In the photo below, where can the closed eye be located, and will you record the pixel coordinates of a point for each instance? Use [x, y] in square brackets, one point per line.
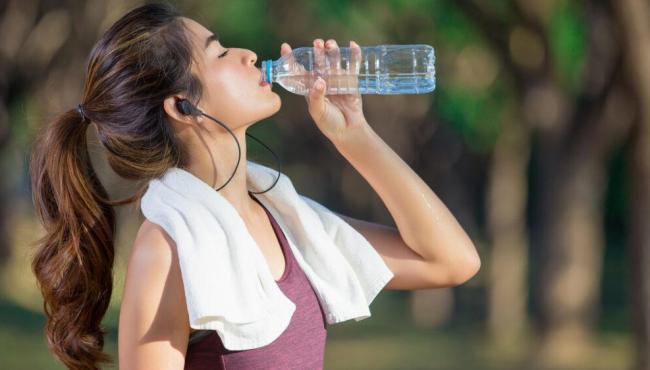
[224, 53]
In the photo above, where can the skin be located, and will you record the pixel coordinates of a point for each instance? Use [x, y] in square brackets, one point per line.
[233, 96]
[428, 248]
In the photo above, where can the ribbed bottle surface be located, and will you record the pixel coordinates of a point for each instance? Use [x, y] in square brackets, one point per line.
[381, 69]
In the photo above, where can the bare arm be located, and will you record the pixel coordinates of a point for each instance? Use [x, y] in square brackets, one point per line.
[430, 248]
[410, 270]
[154, 325]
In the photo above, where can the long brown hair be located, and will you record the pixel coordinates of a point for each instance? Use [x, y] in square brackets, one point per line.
[144, 57]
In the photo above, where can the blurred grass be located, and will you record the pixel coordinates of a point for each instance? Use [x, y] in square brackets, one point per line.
[387, 340]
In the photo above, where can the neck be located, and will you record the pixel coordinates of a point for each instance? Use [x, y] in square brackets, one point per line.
[213, 159]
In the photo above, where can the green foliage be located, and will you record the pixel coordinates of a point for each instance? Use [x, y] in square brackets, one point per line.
[331, 10]
[242, 23]
[451, 26]
[567, 37]
[475, 115]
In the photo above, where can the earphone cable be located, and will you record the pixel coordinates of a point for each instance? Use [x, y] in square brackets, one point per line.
[239, 154]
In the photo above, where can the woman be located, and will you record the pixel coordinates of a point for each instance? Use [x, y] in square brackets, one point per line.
[138, 72]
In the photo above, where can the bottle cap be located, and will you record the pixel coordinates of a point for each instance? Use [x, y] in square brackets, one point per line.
[266, 70]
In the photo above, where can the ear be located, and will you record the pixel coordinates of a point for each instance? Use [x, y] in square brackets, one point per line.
[169, 104]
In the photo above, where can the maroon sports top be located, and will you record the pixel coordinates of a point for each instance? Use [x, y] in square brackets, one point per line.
[300, 346]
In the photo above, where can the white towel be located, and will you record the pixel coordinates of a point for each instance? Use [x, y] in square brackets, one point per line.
[228, 284]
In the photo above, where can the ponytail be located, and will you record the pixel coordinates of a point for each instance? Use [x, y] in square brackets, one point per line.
[73, 262]
[142, 58]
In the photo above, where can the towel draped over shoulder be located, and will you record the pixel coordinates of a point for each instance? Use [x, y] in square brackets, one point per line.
[227, 282]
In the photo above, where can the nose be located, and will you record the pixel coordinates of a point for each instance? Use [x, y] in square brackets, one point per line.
[252, 57]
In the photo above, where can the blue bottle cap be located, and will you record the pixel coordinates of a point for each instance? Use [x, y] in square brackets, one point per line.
[266, 66]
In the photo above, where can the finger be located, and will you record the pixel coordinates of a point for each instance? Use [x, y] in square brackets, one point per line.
[285, 48]
[355, 64]
[333, 55]
[355, 57]
[316, 98]
[319, 56]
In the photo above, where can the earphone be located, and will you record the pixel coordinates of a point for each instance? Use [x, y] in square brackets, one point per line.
[187, 108]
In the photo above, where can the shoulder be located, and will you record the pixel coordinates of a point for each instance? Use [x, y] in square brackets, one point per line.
[152, 244]
[152, 257]
[153, 304]
[153, 267]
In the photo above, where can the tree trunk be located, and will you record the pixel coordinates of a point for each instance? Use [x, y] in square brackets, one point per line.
[633, 18]
[506, 222]
[571, 263]
[572, 146]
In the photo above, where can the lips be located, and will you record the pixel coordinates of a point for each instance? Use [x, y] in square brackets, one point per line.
[262, 81]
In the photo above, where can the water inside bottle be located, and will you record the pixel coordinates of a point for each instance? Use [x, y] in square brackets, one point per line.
[384, 69]
[389, 83]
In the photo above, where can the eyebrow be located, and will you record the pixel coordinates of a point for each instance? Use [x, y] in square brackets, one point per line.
[212, 37]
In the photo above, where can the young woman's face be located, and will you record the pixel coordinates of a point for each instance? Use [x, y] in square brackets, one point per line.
[231, 81]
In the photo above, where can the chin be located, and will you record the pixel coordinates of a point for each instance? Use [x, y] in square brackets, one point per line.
[279, 104]
[268, 113]
[269, 107]
[275, 106]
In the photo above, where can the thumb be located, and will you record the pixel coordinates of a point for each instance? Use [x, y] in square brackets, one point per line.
[317, 98]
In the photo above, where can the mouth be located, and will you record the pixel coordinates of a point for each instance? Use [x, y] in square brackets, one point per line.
[262, 81]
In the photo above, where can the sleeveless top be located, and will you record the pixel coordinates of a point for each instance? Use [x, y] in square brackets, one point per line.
[300, 346]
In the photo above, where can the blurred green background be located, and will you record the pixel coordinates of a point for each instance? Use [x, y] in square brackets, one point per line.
[536, 138]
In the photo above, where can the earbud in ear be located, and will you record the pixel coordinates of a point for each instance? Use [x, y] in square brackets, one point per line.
[185, 107]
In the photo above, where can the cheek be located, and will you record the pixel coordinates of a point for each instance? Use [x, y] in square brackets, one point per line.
[229, 89]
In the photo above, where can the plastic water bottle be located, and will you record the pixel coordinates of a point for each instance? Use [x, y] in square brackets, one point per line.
[381, 69]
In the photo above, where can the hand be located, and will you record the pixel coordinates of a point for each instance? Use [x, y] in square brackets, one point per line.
[337, 116]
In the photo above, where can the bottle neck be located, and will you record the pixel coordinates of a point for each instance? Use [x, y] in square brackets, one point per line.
[267, 69]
